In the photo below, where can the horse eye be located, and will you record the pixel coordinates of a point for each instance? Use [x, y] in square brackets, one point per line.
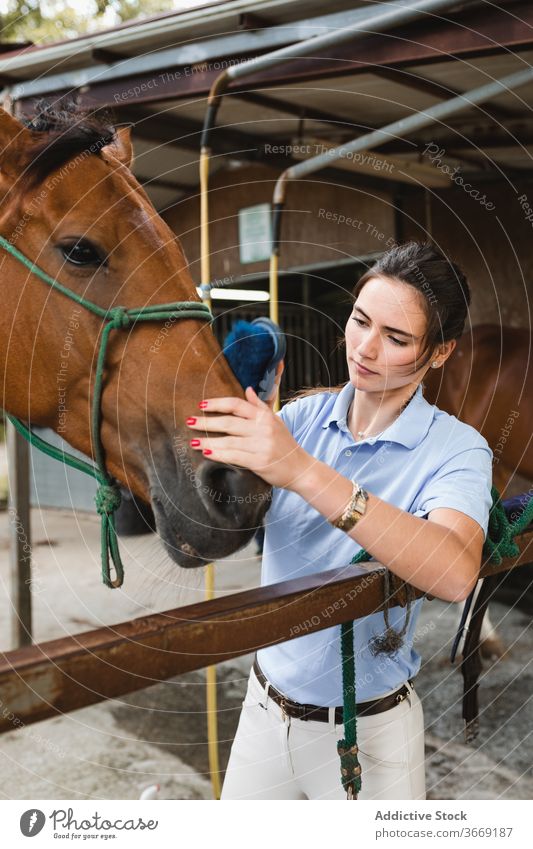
[82, 253]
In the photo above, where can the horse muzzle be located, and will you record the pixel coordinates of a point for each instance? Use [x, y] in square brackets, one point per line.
[208, 513]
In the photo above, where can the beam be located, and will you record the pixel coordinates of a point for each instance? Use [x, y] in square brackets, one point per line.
[252, 21]
[59, 676]
[102, 54]
[306, 113]
[184, 133]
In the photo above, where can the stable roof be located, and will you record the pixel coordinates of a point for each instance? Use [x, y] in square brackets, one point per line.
[156, 74]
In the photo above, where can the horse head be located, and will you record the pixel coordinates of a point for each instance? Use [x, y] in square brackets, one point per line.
[72, 206]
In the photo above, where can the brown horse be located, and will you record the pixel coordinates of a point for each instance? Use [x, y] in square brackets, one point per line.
[71, 204]
[488, 383]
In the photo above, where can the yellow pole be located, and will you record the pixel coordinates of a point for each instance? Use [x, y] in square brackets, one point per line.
[211, 671]
[274, 301]
[204, 218]
[274, 288]
[211, 699]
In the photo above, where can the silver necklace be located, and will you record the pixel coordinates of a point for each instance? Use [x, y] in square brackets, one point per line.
[362, 433]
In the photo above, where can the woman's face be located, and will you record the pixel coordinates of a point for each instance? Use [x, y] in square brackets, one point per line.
[385, 335]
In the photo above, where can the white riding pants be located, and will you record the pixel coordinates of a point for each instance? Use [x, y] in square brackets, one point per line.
[277, 757]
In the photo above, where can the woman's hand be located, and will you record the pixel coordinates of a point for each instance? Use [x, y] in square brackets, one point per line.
[255, 438]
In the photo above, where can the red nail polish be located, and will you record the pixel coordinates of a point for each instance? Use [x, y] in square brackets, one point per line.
[207, 451]
[194, 443]
[202, 405]
[190, 421]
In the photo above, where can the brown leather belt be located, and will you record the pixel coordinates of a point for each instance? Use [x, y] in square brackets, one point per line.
[321, 714]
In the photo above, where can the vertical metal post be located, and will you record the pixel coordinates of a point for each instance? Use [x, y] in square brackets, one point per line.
[18, 457]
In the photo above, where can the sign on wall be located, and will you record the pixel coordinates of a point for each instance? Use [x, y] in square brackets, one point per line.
[255, 233]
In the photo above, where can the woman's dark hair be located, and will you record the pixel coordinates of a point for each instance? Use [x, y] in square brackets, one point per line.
[441, 283]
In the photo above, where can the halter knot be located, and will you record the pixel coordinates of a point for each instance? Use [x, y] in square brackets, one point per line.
[118, 317]
[107, 499]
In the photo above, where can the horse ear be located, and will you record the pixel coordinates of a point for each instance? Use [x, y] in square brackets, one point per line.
[12, 134]
[121, 147]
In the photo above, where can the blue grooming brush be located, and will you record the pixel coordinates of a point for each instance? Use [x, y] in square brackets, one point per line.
[253, 350]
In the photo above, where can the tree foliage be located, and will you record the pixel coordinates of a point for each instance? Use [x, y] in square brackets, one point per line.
[45, 21]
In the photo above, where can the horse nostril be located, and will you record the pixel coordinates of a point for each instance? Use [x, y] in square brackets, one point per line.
[229, 493]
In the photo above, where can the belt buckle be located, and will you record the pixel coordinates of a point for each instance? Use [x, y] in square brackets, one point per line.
[282, 705]
[400, 698]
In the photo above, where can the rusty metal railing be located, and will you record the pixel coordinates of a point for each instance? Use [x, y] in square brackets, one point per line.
[59, 676]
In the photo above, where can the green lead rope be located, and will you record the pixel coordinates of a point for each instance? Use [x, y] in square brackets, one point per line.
[107, 500]
[347, 747]
[498, 544]
[108, 496]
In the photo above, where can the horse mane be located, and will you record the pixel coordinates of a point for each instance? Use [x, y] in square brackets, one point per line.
[61, 131]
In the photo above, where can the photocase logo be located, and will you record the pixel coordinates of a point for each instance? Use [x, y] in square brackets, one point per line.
[32, 822]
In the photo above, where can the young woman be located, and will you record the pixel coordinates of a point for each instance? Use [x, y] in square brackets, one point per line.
[371, 466]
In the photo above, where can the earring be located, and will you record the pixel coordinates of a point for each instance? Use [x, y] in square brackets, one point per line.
[435, 364]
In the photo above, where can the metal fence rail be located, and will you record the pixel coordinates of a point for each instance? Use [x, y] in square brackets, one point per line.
[59, 676]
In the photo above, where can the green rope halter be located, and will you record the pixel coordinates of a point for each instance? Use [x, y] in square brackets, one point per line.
[498, 544]
[116, 318]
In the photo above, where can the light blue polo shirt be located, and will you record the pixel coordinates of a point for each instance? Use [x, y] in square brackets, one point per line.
[424, 460]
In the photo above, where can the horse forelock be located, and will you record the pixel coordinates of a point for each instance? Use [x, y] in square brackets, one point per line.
[61, 132]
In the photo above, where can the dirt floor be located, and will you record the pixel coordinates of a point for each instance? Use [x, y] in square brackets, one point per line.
[114, 750]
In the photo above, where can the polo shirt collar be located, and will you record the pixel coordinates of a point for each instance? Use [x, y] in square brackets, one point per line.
[409, 429]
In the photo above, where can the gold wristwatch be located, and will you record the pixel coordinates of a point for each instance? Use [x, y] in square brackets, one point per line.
[354, 509]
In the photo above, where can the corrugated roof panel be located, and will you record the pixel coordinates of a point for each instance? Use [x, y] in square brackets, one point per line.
[167, 172]
[165, 160]
[364, 98]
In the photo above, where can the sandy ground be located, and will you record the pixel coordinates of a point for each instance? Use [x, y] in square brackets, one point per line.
[114, 750]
